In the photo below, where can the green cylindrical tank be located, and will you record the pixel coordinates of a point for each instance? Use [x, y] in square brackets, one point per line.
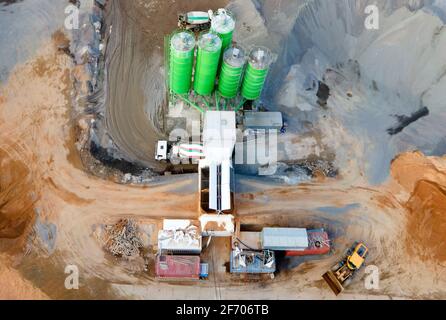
[231, 72]
[182, 47]
[258, 66]
[223, 24]
[208, 56]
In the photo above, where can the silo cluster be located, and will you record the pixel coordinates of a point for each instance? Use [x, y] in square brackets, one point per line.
[216, 58]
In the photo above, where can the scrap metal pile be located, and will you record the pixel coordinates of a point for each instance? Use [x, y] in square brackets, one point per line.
[253, 259]
[246, 258]
[121, 239]
[320, 165]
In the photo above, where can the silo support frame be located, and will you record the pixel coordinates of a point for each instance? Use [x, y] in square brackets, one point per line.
[240, 105]
[192, 104]
[217, 106]
[202, 103]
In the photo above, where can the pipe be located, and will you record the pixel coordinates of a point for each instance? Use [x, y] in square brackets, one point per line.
[206, 102]
[191, 103]
[240, 105]
[216, 101]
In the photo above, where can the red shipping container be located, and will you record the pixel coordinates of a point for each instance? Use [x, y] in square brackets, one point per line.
[178, 267]
[318, 244]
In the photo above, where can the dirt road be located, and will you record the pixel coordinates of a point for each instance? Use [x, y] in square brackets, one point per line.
[68, 203]
[50, 209]
[36, 150]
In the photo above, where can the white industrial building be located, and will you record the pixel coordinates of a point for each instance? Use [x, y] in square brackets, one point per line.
[263, 120]
[219, 138]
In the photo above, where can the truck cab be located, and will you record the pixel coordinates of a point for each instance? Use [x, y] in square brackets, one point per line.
[195, 21]
[356, 259]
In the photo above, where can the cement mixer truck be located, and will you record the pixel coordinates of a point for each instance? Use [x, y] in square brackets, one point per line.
[197, 21]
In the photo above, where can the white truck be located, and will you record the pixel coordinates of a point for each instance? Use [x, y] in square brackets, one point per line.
[166, 151]
[197, 21]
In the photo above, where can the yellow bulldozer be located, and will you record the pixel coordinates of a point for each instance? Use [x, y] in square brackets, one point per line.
[341, 274]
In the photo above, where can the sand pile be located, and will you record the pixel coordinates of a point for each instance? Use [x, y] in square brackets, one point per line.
[14, 287]
[425, 179]
[427, 220]
[411, 167]
[135, 89]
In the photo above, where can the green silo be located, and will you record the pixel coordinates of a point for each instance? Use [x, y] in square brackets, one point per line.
[223, 24]
[258, 66]
[208, 56]
[182, 47]
[231, 73]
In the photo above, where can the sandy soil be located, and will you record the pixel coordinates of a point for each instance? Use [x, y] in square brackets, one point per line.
[14, 287]
[425, 181]
[68, 204]
[50, 210]
[45, 186]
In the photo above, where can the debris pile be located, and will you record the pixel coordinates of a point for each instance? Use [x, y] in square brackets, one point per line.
[320, 165]
[252, 262]
[245, 258]
[122, 239]
[404, 121]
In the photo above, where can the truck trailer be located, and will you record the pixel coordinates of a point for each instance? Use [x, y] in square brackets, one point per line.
[179, 268]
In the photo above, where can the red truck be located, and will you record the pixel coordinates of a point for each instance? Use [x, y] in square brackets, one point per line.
[171, 267]
[318, 243]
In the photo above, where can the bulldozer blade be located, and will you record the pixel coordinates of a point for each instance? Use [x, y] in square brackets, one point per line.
[333, 282]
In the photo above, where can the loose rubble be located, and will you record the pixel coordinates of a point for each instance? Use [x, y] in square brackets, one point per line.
[122, 240]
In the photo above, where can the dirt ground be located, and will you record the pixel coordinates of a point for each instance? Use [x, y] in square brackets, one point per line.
[43, 188]
[50, 207]
[135, 56]
[51, 210]
[425, 180]
[13, 286]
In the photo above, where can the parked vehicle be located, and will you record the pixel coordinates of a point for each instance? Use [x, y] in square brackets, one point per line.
[195, 21]
[341, 274]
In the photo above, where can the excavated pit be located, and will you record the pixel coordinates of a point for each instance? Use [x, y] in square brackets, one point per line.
[135, 94]
[378, 79]
[371, 76]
